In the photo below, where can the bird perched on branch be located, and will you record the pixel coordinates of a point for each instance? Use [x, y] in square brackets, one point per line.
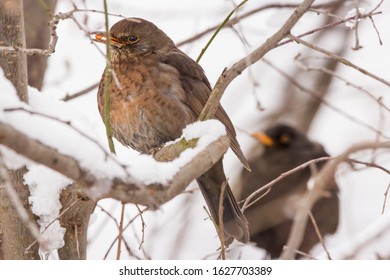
[270, 218]
[156, 90]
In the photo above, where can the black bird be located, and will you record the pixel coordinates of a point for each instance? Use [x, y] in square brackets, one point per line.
[270, 218]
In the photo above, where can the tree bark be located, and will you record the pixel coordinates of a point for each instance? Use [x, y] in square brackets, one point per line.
[36, 18]
[77, 210]
[15, 236]
[12, 34]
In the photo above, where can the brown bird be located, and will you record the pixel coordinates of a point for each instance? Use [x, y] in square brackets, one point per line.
[270, 218]
[156, 91]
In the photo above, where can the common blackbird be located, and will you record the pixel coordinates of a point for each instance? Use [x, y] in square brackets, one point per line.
[270, 218]
[156, 90]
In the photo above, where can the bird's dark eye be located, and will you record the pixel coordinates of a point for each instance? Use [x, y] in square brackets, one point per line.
[132, 39]
[285, 139]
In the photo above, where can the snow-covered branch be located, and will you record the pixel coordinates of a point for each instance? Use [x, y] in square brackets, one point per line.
[126, 189]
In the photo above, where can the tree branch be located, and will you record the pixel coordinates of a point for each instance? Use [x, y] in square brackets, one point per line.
[339, 59]
[127, 189]
[39, 152]
[321, 181]
[229, 75]
[237, 19]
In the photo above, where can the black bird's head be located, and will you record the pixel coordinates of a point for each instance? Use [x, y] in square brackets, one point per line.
[282, 136]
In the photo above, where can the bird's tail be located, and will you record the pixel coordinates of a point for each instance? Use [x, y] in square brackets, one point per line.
[234, 223]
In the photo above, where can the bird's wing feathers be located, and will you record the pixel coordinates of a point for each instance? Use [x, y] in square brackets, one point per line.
[195, 82]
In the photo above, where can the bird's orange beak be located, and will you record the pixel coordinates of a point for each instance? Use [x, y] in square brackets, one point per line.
[263, 138]
[101, 37]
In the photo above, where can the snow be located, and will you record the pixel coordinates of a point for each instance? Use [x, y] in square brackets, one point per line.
[148, 171]
[45, 188]
[211, 127]
[45, 115]
[12, 159]
[351, 13]
[363, 243]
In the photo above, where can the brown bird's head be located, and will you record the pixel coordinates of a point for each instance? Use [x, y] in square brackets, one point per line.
[135, 36]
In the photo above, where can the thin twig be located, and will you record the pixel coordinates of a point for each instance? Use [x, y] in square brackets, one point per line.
[376, 30]
[120, 236]
[183, 228]
[319, 235]
[298, 252]
[143, 226]
[218, 254]
[338, 58]
[266, 191]
[221, 229]
[356, 27]
[229, 75]
[56, 219]
[377, 6]
[108, 214]
[327, 26]
[80, 93]
[326, 13]
[237, 19]
[219, 233]
[321, 181]
[224, 22]
[385, 198]
[282, 176]
[129, 251]
[374, 165]
[348, 83]
[124, 229]
[371, 164]
[324, 101]
[98, 12]
[33, 51]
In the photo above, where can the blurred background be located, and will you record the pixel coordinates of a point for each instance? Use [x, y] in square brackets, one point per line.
[349, 107]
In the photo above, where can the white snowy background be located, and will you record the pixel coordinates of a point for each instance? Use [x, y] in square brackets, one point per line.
[179, 229]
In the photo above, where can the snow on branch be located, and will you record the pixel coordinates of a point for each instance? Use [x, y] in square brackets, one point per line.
[49, 132]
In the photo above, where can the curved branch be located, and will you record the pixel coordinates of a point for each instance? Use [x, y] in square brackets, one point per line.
[126, 189]
[230, 74]
[321, 181]
[39, 152]
[338, 58]
[242, 16]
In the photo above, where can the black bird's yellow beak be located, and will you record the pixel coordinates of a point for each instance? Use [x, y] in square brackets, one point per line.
[263, 138]
[101, 37]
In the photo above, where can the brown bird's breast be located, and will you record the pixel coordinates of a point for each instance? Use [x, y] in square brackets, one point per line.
[147, 103]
